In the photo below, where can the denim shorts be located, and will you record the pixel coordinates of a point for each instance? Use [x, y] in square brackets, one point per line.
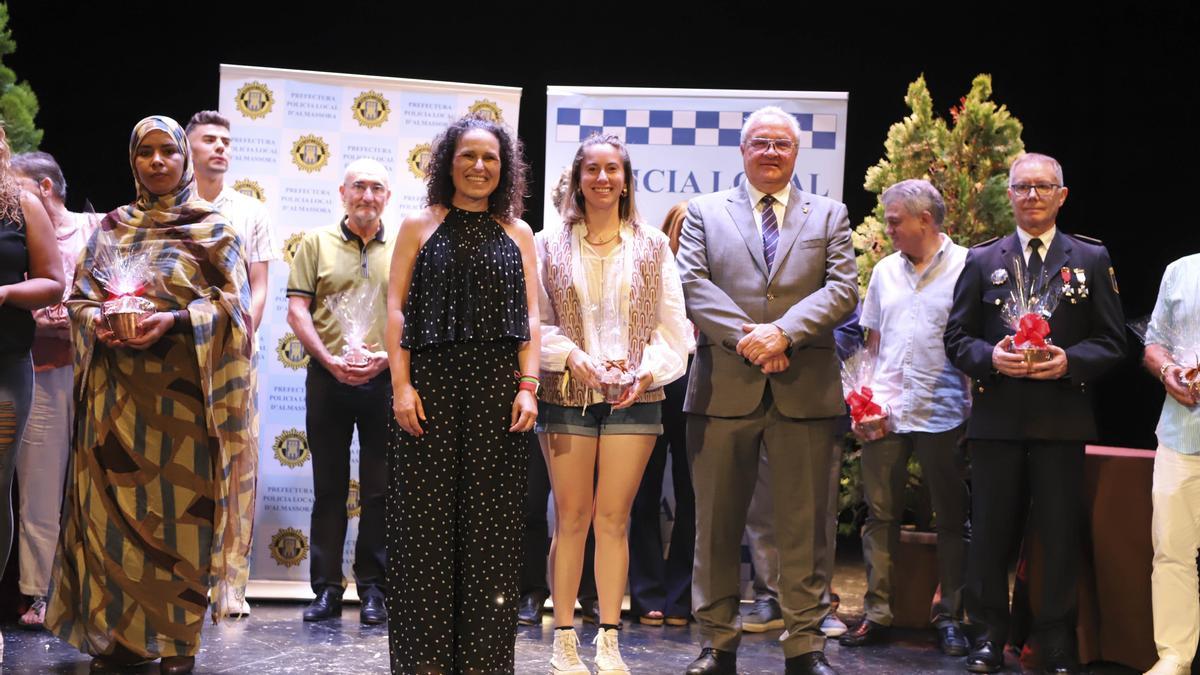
[599, 419]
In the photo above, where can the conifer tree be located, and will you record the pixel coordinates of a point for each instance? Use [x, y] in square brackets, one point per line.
[966, 160]
[18, 103]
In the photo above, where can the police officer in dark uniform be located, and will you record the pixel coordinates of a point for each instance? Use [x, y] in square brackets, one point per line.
[1029, 422]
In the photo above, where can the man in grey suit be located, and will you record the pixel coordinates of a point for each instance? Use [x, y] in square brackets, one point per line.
[768, 271]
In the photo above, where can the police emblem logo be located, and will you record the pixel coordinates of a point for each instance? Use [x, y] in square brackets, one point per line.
[310, 153]
[353, 505]
[291, 448]
[250, 188]
[291, 353]
[370, 109]
[254, 100]
[487, 109]
[418, 160]
[289, 547]
[291, 245]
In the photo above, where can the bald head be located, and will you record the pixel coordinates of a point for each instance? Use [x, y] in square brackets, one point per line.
[365, 193]
[365, 166]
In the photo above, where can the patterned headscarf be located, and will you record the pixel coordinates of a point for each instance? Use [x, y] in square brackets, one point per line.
[181, 205]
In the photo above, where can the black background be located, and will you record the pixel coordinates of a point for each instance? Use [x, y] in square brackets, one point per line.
[1104, 89]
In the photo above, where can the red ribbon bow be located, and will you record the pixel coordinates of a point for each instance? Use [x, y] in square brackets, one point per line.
[141, 289]
[1032, 330]
[861, 405]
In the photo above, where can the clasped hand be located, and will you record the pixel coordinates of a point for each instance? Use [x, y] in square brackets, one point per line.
[764, 346]
[151, 327]
[1011, 363]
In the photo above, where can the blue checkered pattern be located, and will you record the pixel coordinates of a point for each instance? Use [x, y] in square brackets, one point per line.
[682, 127]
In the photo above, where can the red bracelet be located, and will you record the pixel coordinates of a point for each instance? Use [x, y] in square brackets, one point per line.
[531, 387]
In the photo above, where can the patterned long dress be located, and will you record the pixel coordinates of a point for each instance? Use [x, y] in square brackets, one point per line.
[160, 499]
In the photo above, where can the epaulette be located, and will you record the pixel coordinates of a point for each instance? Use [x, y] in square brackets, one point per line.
[1090, 240]
[985, 243]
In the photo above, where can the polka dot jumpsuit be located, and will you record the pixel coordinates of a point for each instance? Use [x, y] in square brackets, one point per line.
[456, 494]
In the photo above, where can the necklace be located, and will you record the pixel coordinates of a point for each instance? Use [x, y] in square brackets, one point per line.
[588, 238]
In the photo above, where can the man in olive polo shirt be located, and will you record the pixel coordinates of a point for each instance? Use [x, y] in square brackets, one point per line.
[342, 395]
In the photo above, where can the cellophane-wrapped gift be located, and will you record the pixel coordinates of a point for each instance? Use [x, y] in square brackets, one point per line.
[1027, 311]
[1181, 338]
[871, 420]
[125, 273]
[615, 378]
[355, 311]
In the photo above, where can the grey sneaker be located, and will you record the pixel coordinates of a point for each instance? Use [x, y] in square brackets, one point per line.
[765, 615]
[832, 626]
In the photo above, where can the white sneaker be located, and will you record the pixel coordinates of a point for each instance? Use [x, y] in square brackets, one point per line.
[608, 653]
[565, 660]
[237, 607]
[832, 626]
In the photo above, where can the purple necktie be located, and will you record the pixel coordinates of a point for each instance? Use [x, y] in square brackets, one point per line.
[770, 230]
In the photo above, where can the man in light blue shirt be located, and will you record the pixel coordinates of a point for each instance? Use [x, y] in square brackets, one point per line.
[908, 301]
[1172, 348]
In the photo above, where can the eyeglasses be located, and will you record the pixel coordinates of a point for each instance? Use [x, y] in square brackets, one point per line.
[1043, 190]
[783, 146]
[362, 188]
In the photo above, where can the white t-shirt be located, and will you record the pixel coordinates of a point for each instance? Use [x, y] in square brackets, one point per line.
[250, 219]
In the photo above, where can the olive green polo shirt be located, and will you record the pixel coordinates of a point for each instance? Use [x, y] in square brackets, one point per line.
[333, 259]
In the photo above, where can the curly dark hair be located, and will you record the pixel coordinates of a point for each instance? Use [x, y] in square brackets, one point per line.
[507, 202]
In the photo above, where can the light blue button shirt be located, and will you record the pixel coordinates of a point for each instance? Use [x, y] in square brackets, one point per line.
[913, 377]
[1175, 324]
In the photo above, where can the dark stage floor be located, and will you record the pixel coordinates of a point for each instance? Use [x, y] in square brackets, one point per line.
[275, 640]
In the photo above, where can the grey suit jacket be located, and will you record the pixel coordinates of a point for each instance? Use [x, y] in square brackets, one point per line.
[812, 286]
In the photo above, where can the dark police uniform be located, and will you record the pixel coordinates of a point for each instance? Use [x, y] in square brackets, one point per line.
[1024, 431]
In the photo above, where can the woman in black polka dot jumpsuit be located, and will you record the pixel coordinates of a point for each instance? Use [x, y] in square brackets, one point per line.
[462, 327]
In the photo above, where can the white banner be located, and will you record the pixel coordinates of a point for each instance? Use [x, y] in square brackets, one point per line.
[684, 142]
[294, 132]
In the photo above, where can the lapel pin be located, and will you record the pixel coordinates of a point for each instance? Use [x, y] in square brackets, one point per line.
[999, 276]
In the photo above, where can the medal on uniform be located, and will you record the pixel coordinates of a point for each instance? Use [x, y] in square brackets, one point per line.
[1067, 291]
[999, 276]
[1081, 279]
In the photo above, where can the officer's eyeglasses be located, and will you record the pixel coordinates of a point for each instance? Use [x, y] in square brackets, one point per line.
[1043, 190]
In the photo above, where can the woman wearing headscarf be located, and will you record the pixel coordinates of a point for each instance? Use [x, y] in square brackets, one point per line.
[160, 499]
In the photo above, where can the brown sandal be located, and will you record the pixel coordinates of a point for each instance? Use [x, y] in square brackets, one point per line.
[651, 618]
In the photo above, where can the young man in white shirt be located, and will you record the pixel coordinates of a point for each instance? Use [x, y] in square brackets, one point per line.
[208, 135]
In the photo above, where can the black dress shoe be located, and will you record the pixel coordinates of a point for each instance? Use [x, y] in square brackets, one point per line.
[951, 640]
[713, 662]
[120, 660]
[812, 663]
[529, 610]
[373, 611]
[867, 632]
[328, 603]
[986, 657]
[176, 665]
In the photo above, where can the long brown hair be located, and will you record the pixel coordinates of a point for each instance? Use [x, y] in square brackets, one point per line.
[672, 225]
[10, 189]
